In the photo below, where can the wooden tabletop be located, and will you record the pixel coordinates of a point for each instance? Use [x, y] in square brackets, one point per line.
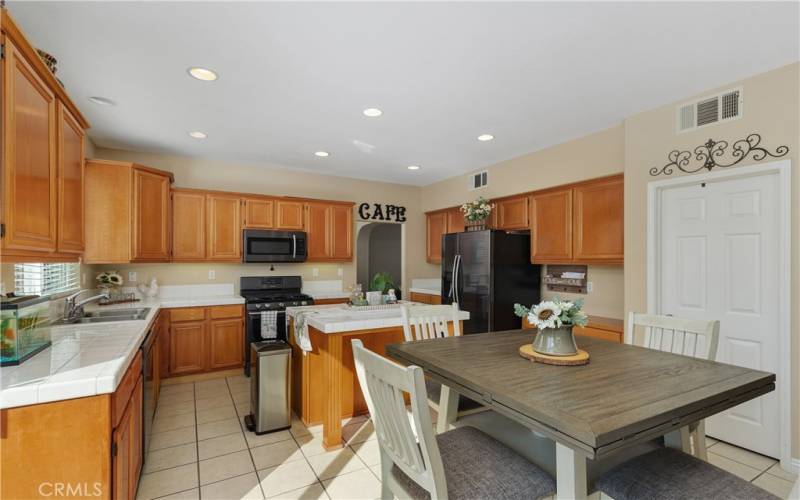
[625, 395]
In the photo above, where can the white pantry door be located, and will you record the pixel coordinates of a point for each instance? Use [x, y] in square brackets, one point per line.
[720, 255]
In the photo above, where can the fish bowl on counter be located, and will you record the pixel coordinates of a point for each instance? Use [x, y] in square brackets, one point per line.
[24, 328]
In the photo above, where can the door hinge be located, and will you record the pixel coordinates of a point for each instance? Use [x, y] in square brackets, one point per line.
[2, 230]
[114, 449]
[2, 51]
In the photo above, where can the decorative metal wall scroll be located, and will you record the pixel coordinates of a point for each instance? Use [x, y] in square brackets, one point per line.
[712, 154]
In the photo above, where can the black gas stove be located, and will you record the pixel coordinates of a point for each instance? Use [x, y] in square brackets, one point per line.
[266, 299]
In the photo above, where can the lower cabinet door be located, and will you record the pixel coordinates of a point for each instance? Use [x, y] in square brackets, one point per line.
[226, 343]
[137, 458]
[122, 465]
[187, 347]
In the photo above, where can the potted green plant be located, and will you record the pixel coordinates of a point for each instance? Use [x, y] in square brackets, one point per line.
[555, 320]
[383, 282]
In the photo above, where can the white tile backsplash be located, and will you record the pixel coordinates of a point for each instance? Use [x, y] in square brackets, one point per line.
[311, 286]
[191, 291]
[427, 283]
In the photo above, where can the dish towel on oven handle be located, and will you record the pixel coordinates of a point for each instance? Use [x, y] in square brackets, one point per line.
[301, 331]
[269, 325]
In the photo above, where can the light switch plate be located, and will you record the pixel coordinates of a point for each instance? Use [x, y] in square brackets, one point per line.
[589, 287]
[212, 274]
[315, 272]
[340, 272]
[132, 277]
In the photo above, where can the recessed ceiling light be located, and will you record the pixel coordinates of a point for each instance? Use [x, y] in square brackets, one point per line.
[413, 167]
[322, 154]
[101, 101]
[204, 74]
[485, 137]
[373, 112]
[198, 135]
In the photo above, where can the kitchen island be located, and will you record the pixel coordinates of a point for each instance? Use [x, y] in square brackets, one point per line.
[324, 383]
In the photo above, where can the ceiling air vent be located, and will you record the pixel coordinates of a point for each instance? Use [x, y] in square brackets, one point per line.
[709, 110]
[478, 180]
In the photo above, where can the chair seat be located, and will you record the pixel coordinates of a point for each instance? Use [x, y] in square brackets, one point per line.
[478, 466]
[434, 389]
[669, 474]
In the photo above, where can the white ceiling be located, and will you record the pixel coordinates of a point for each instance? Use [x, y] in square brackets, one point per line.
[294, 77]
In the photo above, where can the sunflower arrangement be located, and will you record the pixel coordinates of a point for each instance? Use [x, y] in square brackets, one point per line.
[109, 278]
[554, 313]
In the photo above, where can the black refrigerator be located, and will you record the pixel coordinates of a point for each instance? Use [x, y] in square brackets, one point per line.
[487, 272]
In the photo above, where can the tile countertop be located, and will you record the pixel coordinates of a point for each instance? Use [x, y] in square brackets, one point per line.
[90, 359]
[430, 286]
[337, 318]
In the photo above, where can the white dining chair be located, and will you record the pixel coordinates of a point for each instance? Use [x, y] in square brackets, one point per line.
[416, 463]
[426, 322]
[697, 338]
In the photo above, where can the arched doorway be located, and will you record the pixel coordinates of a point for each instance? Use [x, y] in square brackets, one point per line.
[379, 250]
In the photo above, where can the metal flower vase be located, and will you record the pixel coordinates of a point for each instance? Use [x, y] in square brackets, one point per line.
[555, 342]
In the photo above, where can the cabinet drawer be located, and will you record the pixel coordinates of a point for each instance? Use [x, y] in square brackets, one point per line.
[123, 393]
[187, 314]
[231, 311]
[599, 334]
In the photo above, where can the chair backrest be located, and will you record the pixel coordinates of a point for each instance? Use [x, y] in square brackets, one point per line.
[385, 383]
[429, 322]
[697, 338]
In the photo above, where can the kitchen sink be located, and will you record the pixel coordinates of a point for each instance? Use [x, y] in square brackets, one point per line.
[107, 316]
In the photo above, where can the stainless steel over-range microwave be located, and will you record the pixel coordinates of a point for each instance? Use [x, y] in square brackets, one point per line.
[274, 246]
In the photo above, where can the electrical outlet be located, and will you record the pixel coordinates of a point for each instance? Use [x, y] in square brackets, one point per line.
[340, 272]
[212, 274]
[132, 277]
[589, 287]
[315, 272]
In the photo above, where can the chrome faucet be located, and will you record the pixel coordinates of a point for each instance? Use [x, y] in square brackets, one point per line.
[73, 309]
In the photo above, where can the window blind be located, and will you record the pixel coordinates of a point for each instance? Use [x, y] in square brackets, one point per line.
[45, 279]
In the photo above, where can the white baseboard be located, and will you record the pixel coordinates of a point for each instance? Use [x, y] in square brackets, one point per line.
[794, 465]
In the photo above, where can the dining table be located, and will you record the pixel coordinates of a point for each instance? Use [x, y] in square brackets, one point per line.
[625, 396]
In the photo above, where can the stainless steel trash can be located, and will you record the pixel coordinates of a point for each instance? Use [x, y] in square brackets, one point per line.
[270, 387]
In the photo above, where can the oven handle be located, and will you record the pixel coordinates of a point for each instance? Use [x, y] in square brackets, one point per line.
[294, 246]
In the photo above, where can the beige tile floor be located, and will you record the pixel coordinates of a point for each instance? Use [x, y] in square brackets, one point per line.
[200, 449]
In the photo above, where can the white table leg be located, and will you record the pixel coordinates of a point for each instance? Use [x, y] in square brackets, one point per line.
[448, 410]
[679, 439]
[570, 474]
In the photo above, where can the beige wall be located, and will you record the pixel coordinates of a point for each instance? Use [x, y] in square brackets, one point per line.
[771, 108]
[595, 155]
[269, 179]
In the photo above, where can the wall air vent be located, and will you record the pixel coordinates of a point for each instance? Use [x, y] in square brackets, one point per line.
[709, 110]
[478, 180]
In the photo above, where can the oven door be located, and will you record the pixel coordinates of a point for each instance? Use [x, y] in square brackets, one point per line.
[274, 246]
[253, 333]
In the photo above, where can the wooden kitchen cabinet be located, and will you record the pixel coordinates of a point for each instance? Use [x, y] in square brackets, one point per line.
[30, 182]
[70, 182]
[226, 338]
[425, 298]
[205, 339]
[187, 348]
[329, 229]
[151, 216]
[455, 221]
[436, 227]
[551, 227]
[127, 447]
[128, 213]
[317, 231]
[188, 225]
[42, 157]
[510, 213]
[289, 215]
[598, 221]
[259, 213]
[224, 227]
